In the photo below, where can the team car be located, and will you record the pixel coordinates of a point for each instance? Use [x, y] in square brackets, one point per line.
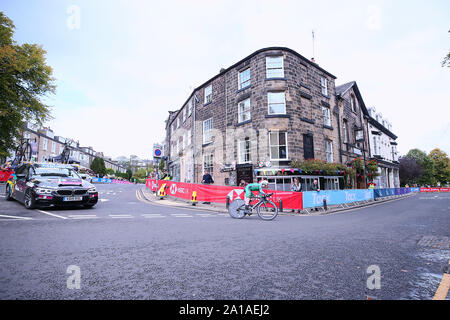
[50, 184]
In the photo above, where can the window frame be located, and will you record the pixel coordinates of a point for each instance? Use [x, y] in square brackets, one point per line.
[324, 86]
[211, 167]
[243, 151]
[208, 97]
[241, 113]
[327, 116]
[278, 146]
[247, 83]
[269, 103]
[271, 69]
[209, 129]
[329, 153]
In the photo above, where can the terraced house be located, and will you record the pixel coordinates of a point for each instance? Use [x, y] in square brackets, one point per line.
[253, 118]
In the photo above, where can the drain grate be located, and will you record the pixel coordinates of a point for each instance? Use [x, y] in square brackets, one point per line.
[435, 242]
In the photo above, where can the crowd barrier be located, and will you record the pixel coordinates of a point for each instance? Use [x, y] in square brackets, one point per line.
[334, 197]
[290, 200]
[4, 175]
[102, 180]
[219, 194]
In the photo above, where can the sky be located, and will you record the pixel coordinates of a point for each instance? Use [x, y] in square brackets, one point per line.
[120, 66]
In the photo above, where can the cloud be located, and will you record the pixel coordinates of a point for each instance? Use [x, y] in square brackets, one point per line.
[374, 20]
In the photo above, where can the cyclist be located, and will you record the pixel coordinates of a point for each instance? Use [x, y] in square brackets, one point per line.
[248, 192]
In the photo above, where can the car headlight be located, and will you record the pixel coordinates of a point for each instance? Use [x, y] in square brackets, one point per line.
[43, 191]
[92, 190]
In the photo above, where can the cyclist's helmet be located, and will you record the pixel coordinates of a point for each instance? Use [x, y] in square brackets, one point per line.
[264, 183]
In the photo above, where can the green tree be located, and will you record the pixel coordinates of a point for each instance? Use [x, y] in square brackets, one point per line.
[424, 161]
[161, 165]
[441, 166]
[24, 79]
[98, 166]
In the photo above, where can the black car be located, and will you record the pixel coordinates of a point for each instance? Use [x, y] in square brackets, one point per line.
[49, 184]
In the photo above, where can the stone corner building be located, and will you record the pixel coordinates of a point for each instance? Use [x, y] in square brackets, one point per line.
[253, 118]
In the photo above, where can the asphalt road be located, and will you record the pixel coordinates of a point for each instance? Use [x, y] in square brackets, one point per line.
[128, 248]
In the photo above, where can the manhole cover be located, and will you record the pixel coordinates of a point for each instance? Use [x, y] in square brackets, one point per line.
[435, 242]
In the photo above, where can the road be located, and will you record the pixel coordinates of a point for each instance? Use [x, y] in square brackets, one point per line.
[128, 248]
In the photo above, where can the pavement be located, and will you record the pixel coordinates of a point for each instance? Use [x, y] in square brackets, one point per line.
[128, 247]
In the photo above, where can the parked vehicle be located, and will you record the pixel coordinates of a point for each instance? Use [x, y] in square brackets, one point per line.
[50, 184]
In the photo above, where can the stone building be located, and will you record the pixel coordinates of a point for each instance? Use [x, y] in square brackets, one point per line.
[253, 118]
[353, 131]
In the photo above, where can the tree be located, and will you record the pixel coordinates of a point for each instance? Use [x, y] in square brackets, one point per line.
[410, 171]
[161, 165]
[98, 166]
[24, 79]
[441, 166]
[425, 163]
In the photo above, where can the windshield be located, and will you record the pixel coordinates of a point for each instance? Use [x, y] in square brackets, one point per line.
[54, 172]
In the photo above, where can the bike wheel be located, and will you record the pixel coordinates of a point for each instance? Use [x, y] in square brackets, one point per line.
[27, 153]
[236, 209]
[267, 210]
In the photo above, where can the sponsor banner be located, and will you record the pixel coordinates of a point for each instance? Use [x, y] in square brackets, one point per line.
[434, 189]
[4, 175]
[152, 184]
[415, 189]
[219, 194]
[333, 197]
[102, 180]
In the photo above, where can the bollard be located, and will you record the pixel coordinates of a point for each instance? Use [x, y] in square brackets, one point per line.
[194, 198]
[228, 202]
[325, 205]
[281, 205]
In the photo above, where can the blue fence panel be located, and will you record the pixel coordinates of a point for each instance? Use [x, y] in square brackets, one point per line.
[101, 180]
[415, 189]
[333, 197]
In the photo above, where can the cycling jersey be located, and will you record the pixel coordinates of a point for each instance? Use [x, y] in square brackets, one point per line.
[253, 187]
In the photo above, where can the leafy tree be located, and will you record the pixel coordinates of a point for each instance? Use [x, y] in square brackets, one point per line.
[128, 174]
[98, 166]
[441, 166]
[109, 171]
[161, 165]
[423, 160]
[24, 80]
[410, 171]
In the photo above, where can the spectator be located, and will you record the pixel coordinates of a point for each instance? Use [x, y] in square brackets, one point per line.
[315, 187]
[296, 186]
[207, 179]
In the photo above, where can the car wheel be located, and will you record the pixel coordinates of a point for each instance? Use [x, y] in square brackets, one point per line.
[8, 193]
[29, 201]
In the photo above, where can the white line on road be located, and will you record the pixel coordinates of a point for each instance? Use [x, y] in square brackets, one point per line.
[15, 217]
[52, 214]
[181, 215]
[153, 216]
[121, 216]
[78, 216]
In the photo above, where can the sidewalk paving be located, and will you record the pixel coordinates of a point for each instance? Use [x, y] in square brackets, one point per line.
[221, 207]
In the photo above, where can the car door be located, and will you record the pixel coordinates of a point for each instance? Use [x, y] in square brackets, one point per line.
[21, 183]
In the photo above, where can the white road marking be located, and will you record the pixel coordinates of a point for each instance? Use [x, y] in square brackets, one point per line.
[181, 215]
[153, 216]
[205, 215]
[14, 217]
[104, 200]
[52, 214]
[78, 216]
[121, 216]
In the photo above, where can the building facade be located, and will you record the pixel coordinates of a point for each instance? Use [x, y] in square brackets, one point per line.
[383, 149]
[253, 118]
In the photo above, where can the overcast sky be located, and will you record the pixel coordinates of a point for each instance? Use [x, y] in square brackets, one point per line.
[120, 66]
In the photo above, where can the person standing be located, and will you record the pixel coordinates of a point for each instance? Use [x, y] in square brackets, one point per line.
[296, 186]
[207, 179]
[315, 187]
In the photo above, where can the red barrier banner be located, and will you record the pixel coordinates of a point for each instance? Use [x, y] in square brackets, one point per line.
[152, 184]
[4, 175]
[434, 189]
[219, 194]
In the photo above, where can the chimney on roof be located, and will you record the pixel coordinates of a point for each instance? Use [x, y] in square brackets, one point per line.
[222, 70]
[312, 59]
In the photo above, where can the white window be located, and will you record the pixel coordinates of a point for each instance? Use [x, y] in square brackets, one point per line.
[244, 110]
[326, 116]
[278, 145]
[208, 94]
[184, 141]
[189, 108]
[375, 146]
[189, 137]
[244, 151]
[27, 135]
[178, 123]
[274, 67]
[53, 147]
[208, 163]
[344, 127]
[45, 144]
[184, 114]
[244, 78]
[329, 150]
[277, 102]
[177, 146]
[207, 130]
[324, 85]
[353, 103]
